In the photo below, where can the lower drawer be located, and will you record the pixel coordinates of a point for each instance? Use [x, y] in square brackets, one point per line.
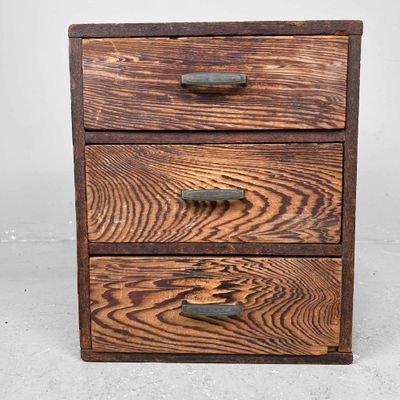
[215, 305]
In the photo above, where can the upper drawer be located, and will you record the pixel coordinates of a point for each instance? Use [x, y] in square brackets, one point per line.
[293, 82]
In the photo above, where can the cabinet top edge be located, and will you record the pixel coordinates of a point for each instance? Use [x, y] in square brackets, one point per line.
[254, 28]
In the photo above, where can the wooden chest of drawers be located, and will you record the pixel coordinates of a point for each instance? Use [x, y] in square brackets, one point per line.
[215, 171]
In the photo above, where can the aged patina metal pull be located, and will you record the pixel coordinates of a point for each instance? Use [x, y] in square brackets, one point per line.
[213, 194]
[211, 310]
[213, 82]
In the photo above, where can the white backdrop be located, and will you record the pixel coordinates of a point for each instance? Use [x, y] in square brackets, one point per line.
[36, 176]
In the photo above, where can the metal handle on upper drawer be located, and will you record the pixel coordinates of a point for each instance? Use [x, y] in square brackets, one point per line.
[213, 194]
[213, 81]
[211, 310]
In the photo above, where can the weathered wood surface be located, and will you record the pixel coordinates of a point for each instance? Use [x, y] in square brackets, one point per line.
[338, 27]
[295, 82]
[292, 193]
[291, 306]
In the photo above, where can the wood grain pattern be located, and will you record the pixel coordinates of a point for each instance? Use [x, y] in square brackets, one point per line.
[329, 27]
[295, 82]
[291, 306]
[292, 193]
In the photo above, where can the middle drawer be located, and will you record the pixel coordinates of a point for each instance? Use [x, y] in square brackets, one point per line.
[291, 193]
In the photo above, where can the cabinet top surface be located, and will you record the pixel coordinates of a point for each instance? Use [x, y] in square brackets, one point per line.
[323, 27]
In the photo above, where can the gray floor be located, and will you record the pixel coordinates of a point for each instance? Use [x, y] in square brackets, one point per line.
[39, 357]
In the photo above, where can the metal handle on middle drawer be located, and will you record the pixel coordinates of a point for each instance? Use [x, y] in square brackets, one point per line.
[213, 194]
[211, 310]
[210, 82]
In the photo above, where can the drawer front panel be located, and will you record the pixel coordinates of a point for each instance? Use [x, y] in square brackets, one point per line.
[292, 193]
[288, 306]
[293, 82]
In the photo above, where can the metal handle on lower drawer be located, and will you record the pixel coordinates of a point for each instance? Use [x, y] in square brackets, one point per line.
[210, 81]
[211, 310]
[213, 194]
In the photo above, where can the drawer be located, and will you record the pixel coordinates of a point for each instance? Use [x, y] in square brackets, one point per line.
[251, 305]
[291, 193]
[293, 82]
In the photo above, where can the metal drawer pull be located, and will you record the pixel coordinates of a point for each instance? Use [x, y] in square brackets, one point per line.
[211, 310]
[213, 81]
[213, 194]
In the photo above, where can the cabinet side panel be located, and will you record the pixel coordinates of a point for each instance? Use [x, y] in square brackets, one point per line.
[349, 192]
[75, 49]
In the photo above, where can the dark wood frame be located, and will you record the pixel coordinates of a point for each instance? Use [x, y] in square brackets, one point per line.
[329, 358]
[248, 249]
[270, 28]
[123, 137]
[348, 136]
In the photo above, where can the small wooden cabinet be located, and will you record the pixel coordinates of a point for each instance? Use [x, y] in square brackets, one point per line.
[215, 172]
